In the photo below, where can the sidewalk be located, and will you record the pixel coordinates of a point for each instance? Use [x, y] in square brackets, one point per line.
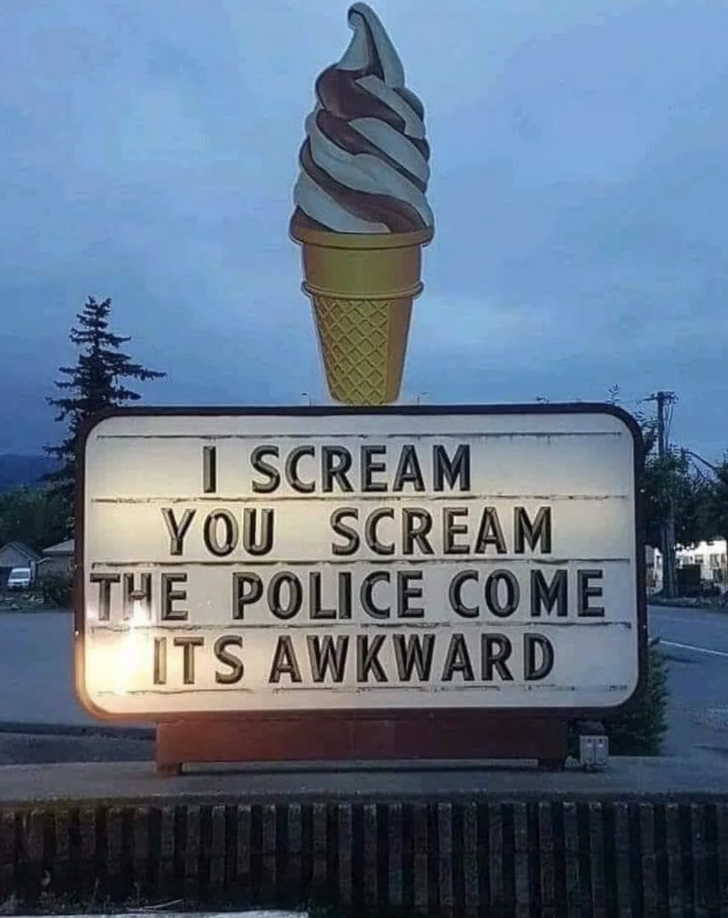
[137, 781]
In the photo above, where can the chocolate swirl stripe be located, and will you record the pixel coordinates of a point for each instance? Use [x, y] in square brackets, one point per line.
[350, 139]
[397, 216]
[365, 160]
[343, 104]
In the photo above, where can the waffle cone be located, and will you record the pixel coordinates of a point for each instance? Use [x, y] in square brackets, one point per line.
[361, 287]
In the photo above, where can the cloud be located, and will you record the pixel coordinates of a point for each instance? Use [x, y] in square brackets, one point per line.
[578, 155]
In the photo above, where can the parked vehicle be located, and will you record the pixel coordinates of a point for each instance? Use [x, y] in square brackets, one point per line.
[20, 578]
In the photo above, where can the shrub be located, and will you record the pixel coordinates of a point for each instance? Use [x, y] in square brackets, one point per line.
[58, 590]
[641, 727]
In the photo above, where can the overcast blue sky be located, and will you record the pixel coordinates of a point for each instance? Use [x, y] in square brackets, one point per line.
[580, 187]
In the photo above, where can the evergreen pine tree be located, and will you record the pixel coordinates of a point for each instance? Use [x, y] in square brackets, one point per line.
[96, 383]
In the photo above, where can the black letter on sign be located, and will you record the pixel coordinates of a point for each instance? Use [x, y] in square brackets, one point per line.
[490, 533]
[141, 595]
[458, 660]
[455, 595]
[409, 470]
[188, 644]
[405, 593]
[549, 594]
[160, 661]
[104, 581]
[247, 590]
[323, 656]
[316, 592]
[411, 653]
[369, 469]
[256, 543]
[416, 524]
[532, 671]
[272, 475]
[370, 531]
[294, 457]
[451, 529]
[230, 533]
[367, 658]
[496, 649]
[177, 530]
[532, 532]
[586, 592]
[209, 469]
[170, 596]
[366, 598]
[513, 593]
[335, 463]
[224, 656]
[340, 528]
[281, 580]
[450, 470]
[284, 662]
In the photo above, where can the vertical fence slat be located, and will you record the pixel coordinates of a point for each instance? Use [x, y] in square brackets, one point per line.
[546, 866]
[371, 852]
[320, 845]
[623, 861]
[244, 825]
[420, 845]
[395, 842]
[193, 848]
[571, 861]
[471, 883]
[495, 857]
[35, 840]
[140, 838]
[444, 844]
[167, 847]
[269, 859]
[700, 873]
[522, 882]
[8, 849]
[596, 861]
[345, 828]
[218, 846]
[674, 858]
[648, 860]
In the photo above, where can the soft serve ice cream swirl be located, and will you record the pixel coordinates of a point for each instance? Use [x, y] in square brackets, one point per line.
[365, 160]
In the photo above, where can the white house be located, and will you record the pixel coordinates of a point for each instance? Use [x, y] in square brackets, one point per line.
[710, 555]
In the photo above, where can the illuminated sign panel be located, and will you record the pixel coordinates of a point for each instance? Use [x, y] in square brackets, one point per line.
[391, 559]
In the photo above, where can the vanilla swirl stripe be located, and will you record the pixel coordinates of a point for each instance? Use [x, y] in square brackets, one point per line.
[365, 160]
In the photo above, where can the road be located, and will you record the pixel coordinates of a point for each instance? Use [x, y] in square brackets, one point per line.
[36, 660]
[695, 642]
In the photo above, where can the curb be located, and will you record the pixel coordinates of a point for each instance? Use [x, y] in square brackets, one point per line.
[677, 604]
[76, 730]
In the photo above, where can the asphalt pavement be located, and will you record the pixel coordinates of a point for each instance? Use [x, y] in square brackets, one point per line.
[695, 643]
[37, 678]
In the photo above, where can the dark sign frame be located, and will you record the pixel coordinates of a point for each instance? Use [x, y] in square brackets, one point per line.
[351, 733]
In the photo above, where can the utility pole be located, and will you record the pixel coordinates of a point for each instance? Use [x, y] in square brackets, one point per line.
[669, 577]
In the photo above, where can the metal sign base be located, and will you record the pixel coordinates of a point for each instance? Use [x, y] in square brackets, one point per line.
[370, 736]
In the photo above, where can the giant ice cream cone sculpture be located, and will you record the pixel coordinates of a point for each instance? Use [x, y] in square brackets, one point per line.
[362, 216]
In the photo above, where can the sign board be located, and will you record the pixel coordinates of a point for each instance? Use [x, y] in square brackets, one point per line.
[320, 559]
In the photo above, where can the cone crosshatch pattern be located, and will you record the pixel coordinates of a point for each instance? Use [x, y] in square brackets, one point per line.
[363, 345]
[362, 287]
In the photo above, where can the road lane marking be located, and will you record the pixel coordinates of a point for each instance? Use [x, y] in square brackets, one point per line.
[713, 653]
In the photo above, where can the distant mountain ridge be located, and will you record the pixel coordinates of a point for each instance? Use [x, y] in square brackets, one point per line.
[18, 470]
